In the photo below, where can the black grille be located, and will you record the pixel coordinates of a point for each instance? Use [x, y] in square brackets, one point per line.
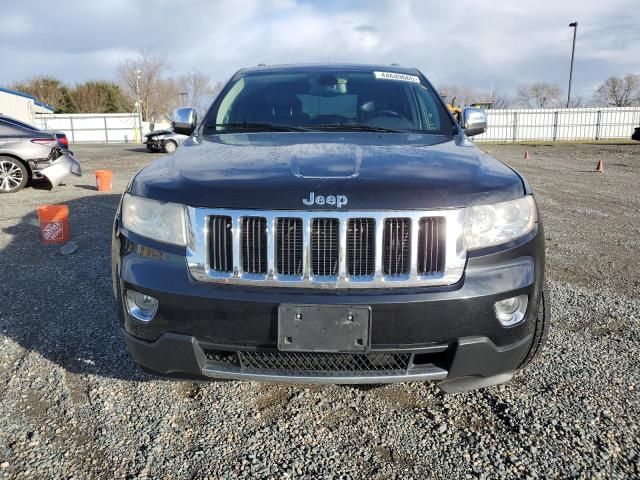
[222, 356]
[431, 245]
[324, 246]
[254, 245]
[361, 246]
[289, 246]
[221, 256]
[327, 363]
[395, 246]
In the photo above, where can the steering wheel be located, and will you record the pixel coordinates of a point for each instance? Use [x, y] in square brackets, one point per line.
[386, 113]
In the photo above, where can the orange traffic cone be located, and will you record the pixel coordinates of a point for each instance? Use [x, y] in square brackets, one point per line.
[600, 167]
[526, 154]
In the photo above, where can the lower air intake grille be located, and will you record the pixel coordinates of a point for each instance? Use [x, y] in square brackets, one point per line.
[431, 245]
[327, 363]
[324, 246]
[221, 356]
[221, 255]
[395, 246]
[254, 244]
[361, 247]
[289, 246]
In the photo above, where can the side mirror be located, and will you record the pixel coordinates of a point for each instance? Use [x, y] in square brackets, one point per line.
[473, 121]
[184, 120]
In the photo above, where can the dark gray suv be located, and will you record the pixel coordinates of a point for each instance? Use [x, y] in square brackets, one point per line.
[331, 224]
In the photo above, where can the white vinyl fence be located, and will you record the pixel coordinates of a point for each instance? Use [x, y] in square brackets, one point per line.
[93, 127]
[503, 125]
[98, 127]
[565, 124]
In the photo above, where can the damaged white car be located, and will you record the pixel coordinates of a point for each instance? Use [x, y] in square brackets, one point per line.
[29, 154]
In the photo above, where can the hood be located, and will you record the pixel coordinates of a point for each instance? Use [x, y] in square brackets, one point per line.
[373, 171]
[159, 132]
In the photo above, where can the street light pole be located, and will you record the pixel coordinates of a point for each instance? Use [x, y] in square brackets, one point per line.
[138, 106]
[573, 51]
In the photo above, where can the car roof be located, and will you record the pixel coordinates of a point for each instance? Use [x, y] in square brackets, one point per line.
[14, 122]
[308, 67]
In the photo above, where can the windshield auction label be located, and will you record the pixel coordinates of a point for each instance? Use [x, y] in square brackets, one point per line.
[396, 76]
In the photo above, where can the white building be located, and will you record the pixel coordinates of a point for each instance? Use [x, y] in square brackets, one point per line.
[21, 106]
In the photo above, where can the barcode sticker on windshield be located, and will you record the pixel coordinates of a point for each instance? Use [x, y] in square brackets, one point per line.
[396, 76]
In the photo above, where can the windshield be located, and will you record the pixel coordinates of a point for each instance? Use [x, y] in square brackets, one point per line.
[328, 100]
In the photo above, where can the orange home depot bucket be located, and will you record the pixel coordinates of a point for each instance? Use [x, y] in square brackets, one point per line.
[103, 180]
[54, 223]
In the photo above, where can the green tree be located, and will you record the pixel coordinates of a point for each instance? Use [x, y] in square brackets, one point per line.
[47, 89]
[97, 96]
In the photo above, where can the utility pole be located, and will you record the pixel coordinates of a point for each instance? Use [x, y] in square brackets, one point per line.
[138, 106]
[573, 51]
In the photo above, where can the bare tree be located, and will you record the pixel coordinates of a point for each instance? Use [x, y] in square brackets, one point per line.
[539, 95]
[577, 102]
[149, 67]
[460, 94]
[166, 98]
[197, 91]
[619, 92]
[498, 99]
[463, 95]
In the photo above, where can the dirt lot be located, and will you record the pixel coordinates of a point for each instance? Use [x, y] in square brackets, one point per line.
[73, 404]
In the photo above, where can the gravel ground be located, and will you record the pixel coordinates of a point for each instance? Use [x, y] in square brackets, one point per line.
[73, 404]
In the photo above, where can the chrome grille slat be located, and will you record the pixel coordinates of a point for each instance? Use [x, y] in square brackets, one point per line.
[254, 245]
[220, 242]
[396, 243]
[331, 249]
[324, 247]
[431, 247]
[360, 247]
[288, 245]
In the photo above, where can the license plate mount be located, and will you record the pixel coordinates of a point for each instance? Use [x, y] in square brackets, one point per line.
[323, 328]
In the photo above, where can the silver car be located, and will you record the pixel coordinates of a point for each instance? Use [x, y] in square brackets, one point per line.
[166, 141]
[28, 154]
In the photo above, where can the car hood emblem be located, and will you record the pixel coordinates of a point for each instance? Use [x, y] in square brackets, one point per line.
[331, 200]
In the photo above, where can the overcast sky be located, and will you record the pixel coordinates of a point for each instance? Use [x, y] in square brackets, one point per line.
[463, 41]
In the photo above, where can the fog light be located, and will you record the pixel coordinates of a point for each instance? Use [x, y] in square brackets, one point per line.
[510, 311]
[141, 306]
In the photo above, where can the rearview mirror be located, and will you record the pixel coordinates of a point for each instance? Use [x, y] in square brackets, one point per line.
[473, 121]
[184, 121]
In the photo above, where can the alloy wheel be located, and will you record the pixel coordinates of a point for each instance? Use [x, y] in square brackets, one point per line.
[11, 176]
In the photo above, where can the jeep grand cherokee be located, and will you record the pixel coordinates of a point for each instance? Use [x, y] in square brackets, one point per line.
[331, 223]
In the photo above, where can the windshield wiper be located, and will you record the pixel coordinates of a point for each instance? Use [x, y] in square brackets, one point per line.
[256, 126]
[354, 126]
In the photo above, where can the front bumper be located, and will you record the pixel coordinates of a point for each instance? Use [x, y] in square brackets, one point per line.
[155, 143]
[183, 356]
[60, 168]
[448, 334]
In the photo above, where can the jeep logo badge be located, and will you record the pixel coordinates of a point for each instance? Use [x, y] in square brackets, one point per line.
[337, 200]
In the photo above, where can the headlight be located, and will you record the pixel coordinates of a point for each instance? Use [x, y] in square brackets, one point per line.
[164, 222]
[489, 225]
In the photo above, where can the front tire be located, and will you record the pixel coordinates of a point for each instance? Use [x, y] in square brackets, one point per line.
[13, 175]
[541, 331]
[170, 146]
